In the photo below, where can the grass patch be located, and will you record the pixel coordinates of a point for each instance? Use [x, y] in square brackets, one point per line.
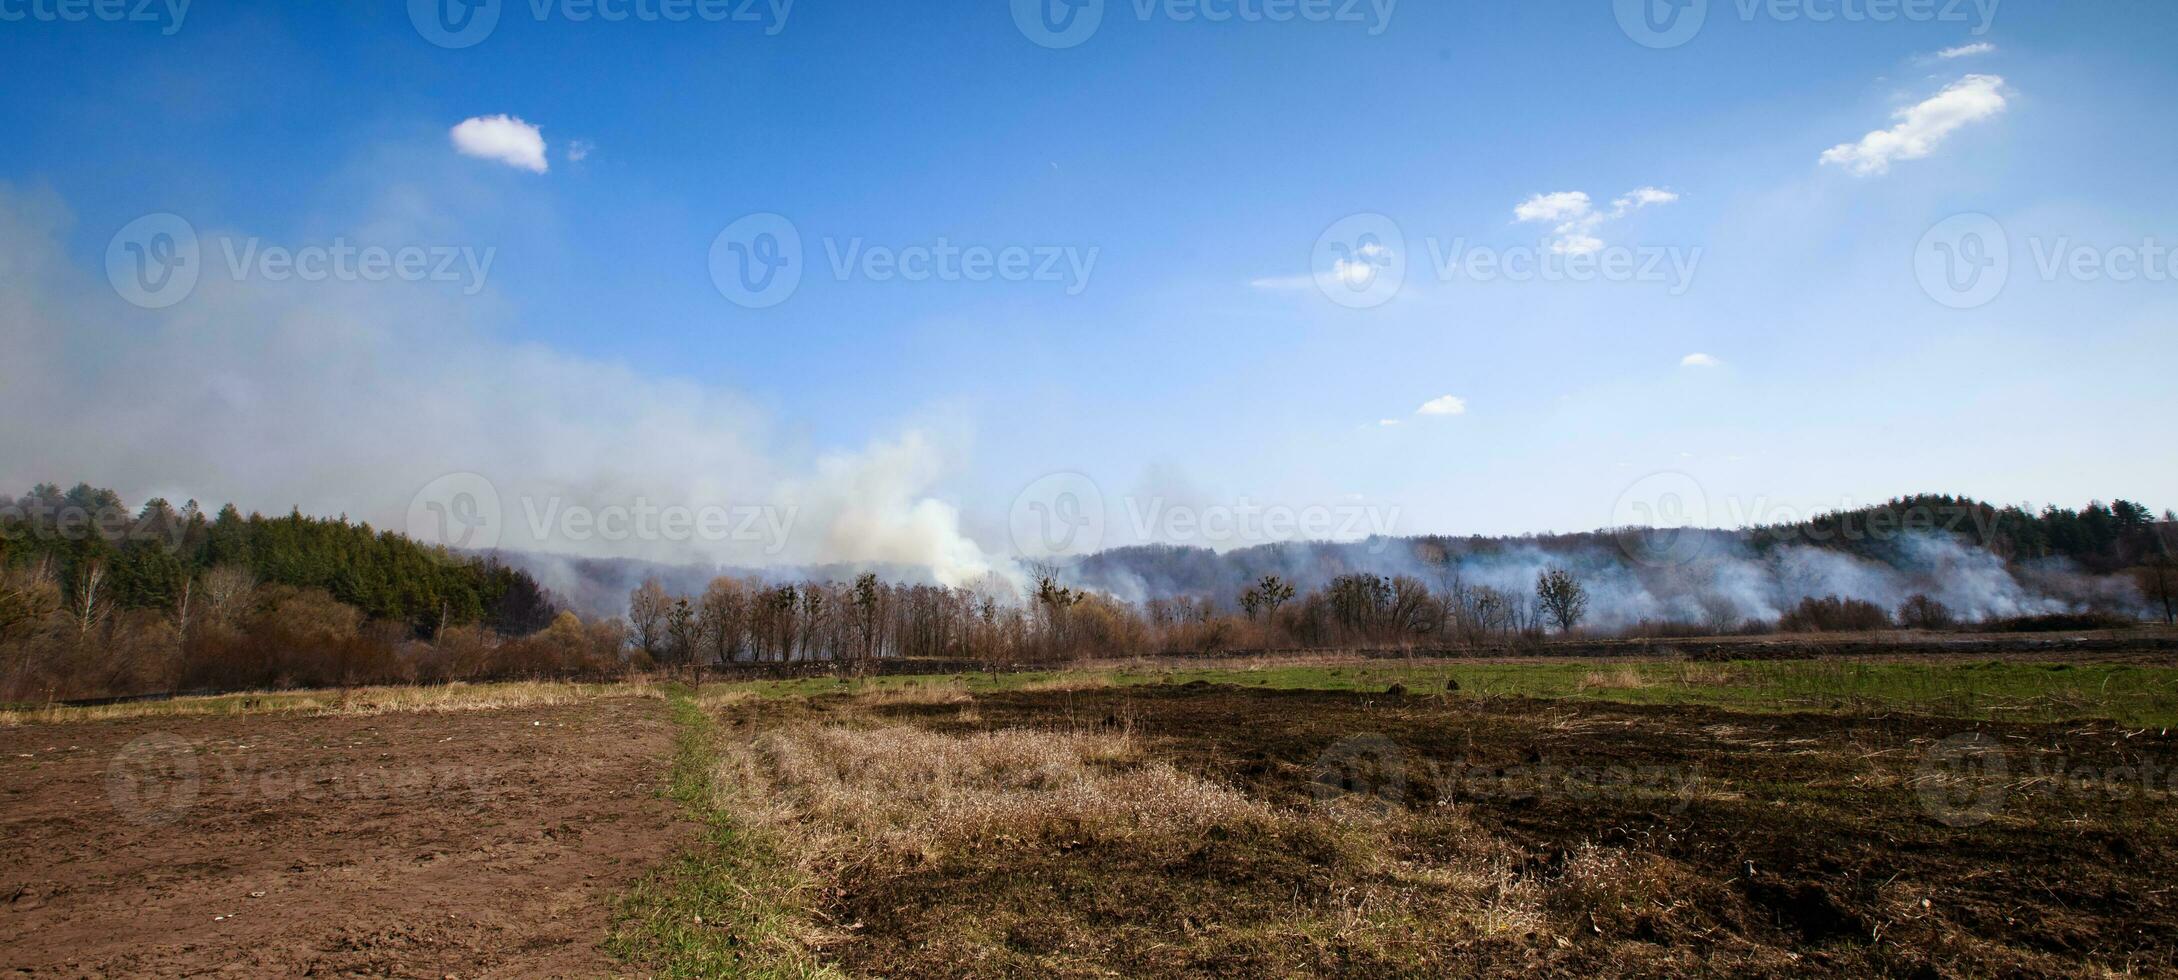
[2129, 694]
[728, 906]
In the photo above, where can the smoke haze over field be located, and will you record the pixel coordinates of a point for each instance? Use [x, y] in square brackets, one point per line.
[1726, 576]
[354, 397]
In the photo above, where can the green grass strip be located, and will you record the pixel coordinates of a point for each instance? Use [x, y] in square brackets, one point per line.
[724, 908]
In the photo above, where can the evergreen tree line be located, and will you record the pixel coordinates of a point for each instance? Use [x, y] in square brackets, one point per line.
[97, 598]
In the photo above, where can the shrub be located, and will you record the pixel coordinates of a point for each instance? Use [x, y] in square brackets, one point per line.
[1924, 613]
[1831, 614]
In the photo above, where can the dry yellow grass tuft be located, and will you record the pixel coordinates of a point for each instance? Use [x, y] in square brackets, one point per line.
[1620, 679]
[861, 795]
[353, 701]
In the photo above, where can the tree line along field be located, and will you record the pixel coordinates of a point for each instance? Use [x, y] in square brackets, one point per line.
[97, 600]
[1277, 816]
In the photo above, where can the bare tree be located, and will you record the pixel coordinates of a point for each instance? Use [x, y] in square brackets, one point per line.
[1562, 597]
[647, 607]
[1266, 595]
[680, 629]
[1719, 613]
[225, 587]
[183, 610]
[723, 619]
[87, 605]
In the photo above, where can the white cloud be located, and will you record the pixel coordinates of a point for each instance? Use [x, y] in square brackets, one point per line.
[1576, 243]
[1699, 360]
[1967, 50]
[1576, 219]
[1356, 272]
[502, 138]
[579, 150]
[1922, 127]
[1446, 405]
[1560, 206]
[1642, 197]
[1387, 423]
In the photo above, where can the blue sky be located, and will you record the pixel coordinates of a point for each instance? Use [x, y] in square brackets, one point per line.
[1201, 162]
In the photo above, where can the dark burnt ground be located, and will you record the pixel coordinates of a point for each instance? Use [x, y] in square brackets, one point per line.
[1723, 843]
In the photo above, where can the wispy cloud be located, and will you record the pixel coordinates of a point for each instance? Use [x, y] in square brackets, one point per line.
[1575, 217]
[1356, 271]
[502, 138]
[1699, 360]
[1444, 405]
[1922, 127]
[1967, 50]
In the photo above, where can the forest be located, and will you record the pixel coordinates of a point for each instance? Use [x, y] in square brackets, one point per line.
[99, 599]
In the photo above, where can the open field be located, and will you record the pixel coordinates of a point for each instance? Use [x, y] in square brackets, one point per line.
[1912, 816]
[1172, 829]
[2142, 694]
[413, 843]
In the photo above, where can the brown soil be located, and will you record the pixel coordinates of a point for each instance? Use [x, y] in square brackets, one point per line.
[478, 843]
[1745, 845]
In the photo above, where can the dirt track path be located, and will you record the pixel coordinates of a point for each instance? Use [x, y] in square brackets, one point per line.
[482, 843]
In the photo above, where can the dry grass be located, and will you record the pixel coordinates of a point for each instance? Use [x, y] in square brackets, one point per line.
[353, 701]
[1621, 679]
[900, 794]
[854, 803]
